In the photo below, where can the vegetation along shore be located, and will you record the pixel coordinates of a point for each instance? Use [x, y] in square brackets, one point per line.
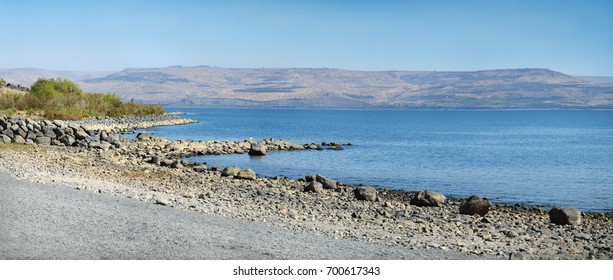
[90, 155]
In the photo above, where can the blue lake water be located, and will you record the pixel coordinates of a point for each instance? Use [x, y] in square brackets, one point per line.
[534, 157]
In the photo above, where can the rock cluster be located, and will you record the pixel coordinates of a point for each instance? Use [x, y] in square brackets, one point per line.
[59, 133]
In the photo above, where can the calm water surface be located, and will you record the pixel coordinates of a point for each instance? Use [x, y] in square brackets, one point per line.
[534, 157]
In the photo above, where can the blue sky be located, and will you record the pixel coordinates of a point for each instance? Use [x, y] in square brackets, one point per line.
[574, 37]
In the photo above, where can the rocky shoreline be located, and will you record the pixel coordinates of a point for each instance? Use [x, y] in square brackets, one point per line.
[150, 168]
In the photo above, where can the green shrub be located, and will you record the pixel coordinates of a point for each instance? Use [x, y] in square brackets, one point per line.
[62, 99]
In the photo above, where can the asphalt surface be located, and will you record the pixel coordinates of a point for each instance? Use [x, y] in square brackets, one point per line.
[60, 222]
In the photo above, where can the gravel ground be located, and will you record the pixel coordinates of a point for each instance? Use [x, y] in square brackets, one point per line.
[50, 221]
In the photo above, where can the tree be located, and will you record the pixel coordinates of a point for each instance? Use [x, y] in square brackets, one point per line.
[2, 83]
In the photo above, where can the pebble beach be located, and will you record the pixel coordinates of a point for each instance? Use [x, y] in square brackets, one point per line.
[91, 156]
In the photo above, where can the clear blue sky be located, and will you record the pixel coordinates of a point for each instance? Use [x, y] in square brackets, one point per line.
[575, 37]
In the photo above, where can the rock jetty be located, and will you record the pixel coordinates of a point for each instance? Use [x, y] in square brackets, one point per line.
[124, 124]
[58, 133]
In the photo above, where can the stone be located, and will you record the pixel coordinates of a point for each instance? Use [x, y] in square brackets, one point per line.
[31, 135]
[67, 140]
[144, 136]
[200, 168]
[246, 174]
[428, 198]
[511, 234]
[48, 132]
[5, 139]
[80, 134]
[475, 205]
[42, 140]
[58, 131]
[59, 123]
[314, 186]
[162, 201]
[565, 216]
[365, 193]
[230, 171]
[19, 140]
[8, 132]
[326, 182]
[257, 149]
[309, 178]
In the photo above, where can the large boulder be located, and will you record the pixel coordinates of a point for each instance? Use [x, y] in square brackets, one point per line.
[8, 132]
[428, 198]
[475, 205]
[230, 171]
[246, 174]
[314, 186]
[257, 149]
[80, 134]
[326, 182]
[48, 132]
[365, 193]
[67, 140]
[565, 216]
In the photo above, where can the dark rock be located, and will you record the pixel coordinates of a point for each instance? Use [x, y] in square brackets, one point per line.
[314, 186]
[257, 149]
[309, 178]
[155, 160]
[365, 193]
[565, 216]
[58, 131]
[246, 174]
[144, 136]
[326, 182]
[428, 198]
[475, 205]
[176, 164]
[67, 140]
[230, 171]
[80, 134]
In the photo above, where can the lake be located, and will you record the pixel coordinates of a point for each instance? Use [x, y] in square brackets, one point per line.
[539, 158]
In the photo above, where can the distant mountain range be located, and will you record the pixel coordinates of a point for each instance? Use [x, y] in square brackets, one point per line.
[334, 88]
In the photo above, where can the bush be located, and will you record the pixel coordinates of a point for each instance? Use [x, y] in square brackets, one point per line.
[62, 99]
